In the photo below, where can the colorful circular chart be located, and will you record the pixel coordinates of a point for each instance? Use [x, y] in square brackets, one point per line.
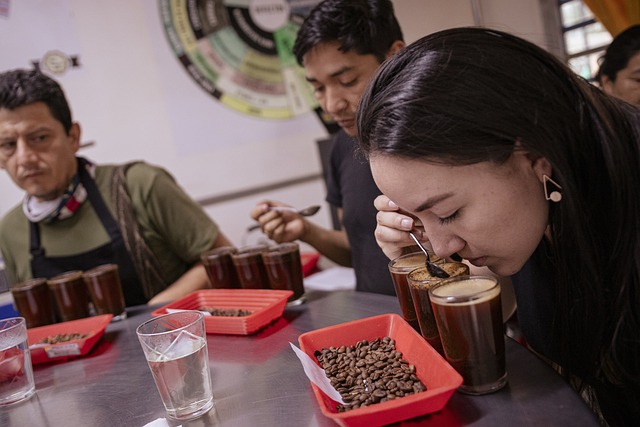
[240, 52]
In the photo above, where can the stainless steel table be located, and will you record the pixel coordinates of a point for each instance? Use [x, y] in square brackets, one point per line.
[258, 381]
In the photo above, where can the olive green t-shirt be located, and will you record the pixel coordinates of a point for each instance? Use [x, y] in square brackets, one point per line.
[174, 226]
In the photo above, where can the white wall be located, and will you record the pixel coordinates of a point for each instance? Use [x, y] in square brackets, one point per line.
[134, 99]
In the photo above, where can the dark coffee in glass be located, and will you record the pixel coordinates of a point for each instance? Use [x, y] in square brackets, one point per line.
[420, 280]
[250, 267]
[468, 313]
[104, 286]
[34, 302]
[284, 269]
[220, 269]
[400, 269]
[71, 296]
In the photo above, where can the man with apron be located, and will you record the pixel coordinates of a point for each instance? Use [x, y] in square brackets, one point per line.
[77, 215]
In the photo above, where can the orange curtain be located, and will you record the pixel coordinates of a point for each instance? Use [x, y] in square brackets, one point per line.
[615, 15]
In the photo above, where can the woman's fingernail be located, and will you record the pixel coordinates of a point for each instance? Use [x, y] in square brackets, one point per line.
[392, 204]
[406, 224]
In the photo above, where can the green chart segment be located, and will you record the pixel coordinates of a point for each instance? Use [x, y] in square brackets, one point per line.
[240, 52]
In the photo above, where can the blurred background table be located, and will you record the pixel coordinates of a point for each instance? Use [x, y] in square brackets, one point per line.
[258, 380]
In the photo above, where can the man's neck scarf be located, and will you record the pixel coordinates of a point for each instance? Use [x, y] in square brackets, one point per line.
[62, 207]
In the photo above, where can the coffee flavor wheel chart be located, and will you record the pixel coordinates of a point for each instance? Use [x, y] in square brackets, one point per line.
[240, 52]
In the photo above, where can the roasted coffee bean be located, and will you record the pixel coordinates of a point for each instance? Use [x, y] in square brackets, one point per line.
[369, 372]
[227, 312]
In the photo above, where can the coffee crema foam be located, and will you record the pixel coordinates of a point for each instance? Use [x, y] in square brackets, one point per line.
[413, 260]
[467, 289]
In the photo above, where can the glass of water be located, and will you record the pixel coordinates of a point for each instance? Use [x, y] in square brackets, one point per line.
[175, 346]
[16, 372]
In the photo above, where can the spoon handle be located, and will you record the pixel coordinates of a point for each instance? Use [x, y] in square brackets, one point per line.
[283, 208]
[415, 239]
[433, 269]
[273, 208]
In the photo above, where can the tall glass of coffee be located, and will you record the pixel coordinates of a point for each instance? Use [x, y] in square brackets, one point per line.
[284, 269]
[70, 293]
[104, 286]
[34, 302]
[468, 313]
[399, 269]
[219, 266]
[250, 267]
[420, 280]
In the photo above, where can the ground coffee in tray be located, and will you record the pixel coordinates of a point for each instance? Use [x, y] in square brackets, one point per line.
[228, 312]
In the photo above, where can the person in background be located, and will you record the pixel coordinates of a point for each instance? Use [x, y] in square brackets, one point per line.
[619, 73]
[76, 215]
[515, 163]
[340, 45]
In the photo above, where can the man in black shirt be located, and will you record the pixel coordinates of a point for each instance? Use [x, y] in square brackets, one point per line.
[341, 44]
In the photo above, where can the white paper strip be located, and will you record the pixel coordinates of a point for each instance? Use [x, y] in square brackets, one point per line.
[317, 375]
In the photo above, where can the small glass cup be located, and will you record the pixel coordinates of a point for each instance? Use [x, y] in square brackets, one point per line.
[284, 269]
[219, 266]
[175, 346]
[16, 371]
[250, 267]
[70, 293]
[34, 302]
[468, 313]
[104, 286]
[420, 280]
[400, 269]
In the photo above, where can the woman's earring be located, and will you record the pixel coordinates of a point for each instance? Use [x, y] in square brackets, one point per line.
[552, 190]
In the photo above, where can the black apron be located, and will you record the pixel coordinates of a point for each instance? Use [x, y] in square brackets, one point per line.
[113, 252]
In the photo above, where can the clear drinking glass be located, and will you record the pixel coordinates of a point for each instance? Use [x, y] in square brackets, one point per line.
[175, 346]
[16, 371]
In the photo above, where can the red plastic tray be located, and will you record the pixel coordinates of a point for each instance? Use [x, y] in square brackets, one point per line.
[266, 305]
[93, 326]
[432, 369]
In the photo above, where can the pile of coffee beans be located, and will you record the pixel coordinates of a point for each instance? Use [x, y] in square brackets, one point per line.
[229, 312]
[57, 339]
[369, 372]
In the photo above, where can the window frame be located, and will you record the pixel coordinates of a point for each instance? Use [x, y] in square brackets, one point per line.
[583, 52]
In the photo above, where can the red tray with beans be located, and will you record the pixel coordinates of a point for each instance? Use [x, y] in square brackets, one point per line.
[232, 311]
[64, 340]
[433, 372]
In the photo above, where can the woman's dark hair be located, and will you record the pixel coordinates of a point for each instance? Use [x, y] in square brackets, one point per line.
[622, 48]
[23, 87]
[466, 95]
[365, 26]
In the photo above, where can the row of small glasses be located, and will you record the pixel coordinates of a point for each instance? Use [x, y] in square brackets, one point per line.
[70, 295]
[257, 267]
